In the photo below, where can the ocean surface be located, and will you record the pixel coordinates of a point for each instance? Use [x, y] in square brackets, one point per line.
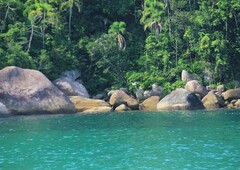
[134, 140]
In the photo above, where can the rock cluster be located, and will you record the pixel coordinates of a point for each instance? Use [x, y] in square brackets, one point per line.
[25, 91]
[232, 98]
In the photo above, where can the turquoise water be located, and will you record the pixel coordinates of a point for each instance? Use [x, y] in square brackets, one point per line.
[134, 140]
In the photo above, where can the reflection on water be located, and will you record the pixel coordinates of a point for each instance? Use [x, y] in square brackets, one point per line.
[133, 140]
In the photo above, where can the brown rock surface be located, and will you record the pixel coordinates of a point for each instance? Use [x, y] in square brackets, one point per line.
[83, 104]
[119, 97]
[150, 104]
[103, 109]
[237, 104]
[231, 94]
[212, 101]
[122, 108]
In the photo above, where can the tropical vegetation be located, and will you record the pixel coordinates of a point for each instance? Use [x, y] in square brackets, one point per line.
[124, 43]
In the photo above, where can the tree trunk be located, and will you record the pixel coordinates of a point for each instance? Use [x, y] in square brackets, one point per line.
[5, 18]
[176, 54]
[69, 23]
[43, 29]
[31, 37]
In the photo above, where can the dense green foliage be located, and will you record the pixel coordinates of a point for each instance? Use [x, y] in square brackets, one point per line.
[125, 42]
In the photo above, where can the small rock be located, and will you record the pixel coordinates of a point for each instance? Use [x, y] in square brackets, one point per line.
[122, 108]
[220, 88]
[155, 87]
[71, 74]
[230, 106]
[146, 94]
[139, 94]
[209, 88]
[3, 109]
[156, 91]
[237, 104]
[233, 101]
[99, 96]
[226, 103]
[187, 77]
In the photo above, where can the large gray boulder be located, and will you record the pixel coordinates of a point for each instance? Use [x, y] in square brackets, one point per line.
[70, 87]
[25, 91]
[195, 87]
[187, 76]
[180, 99]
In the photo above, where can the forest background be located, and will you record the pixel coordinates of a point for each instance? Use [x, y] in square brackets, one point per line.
[124, 43]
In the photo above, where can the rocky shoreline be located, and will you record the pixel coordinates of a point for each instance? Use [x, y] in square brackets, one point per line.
[26, 92]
